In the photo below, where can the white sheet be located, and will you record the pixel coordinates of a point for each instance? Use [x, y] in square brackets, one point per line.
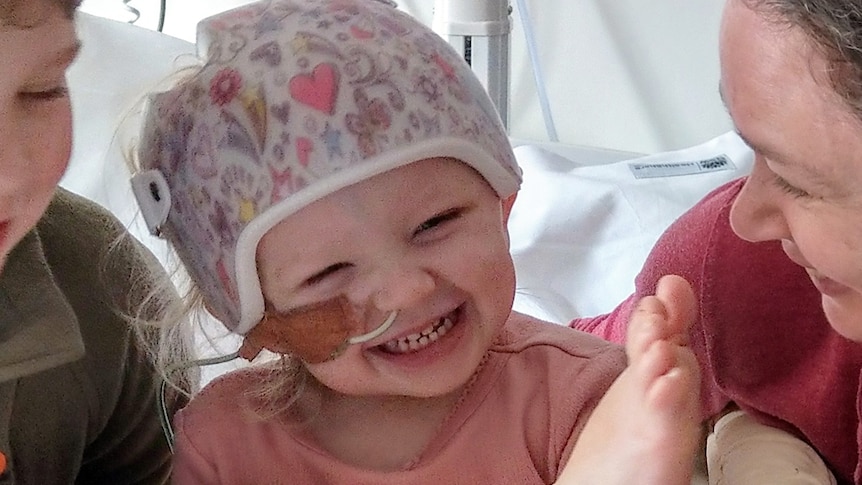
[581, 227]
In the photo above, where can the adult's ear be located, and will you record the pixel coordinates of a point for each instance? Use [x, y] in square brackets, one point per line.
[508, 202]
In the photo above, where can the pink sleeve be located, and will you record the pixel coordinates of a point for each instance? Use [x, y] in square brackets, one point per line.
[190, 466]
[610, 326]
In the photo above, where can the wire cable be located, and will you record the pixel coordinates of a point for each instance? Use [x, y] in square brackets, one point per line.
[538, 75]
[164, 415]
[135, 12]
[163, 4]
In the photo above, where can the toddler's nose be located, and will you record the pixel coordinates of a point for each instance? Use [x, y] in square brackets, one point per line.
[400, 287]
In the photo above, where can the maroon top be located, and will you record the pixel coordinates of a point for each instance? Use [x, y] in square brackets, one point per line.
[761, 337]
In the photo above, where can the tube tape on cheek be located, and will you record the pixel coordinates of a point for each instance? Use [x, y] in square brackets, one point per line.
[315, 333]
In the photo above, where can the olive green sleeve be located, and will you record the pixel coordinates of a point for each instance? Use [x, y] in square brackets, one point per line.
[106, 275]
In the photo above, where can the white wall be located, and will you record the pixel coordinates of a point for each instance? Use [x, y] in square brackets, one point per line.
[631, 75]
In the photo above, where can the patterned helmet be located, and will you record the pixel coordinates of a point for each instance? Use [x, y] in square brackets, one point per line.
[297, 99]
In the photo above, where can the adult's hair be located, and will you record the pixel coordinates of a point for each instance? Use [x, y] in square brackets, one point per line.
[27, 13]
[835, 27]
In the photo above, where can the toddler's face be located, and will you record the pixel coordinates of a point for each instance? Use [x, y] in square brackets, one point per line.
[35, 116]
[428, 240]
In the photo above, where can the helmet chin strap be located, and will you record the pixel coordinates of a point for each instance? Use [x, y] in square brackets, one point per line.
[376, 332]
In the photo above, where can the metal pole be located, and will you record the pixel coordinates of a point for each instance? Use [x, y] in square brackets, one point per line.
[479, 30]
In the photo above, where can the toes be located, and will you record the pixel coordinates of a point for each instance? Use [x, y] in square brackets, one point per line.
[666, 316]
[677, 389]
[680, 304]
[646, 326]
[659, 359]
[665, 367]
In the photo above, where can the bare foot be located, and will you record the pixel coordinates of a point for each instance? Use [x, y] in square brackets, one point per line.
[646, 429]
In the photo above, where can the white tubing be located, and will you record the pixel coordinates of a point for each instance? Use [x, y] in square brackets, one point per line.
[374, 333]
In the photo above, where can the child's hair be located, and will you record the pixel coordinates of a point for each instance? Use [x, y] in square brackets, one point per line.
[295, 100]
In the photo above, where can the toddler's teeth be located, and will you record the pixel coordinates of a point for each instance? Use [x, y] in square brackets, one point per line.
[418, 341]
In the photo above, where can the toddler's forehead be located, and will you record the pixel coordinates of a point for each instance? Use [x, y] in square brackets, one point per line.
[416, 180]
[406, 185]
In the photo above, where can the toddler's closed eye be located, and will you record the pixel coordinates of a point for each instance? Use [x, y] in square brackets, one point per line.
[438, 220]
[322, 275]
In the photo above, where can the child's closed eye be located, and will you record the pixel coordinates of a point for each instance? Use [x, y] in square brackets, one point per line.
[320, 276]
[438, 220]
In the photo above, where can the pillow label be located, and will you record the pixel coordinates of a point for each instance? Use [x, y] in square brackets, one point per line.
[673, 169]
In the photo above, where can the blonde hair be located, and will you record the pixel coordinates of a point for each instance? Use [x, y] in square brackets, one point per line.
[283, 377]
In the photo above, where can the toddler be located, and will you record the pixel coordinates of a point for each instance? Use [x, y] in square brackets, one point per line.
[337, 184]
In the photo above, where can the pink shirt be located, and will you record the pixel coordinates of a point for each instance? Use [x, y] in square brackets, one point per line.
[761, 337]
[516, 422]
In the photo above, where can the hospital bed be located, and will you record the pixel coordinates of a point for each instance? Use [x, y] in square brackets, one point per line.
[581, 227]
